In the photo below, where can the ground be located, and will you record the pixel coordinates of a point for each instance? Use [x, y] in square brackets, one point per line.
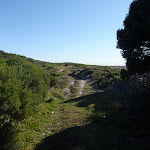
[85, 119]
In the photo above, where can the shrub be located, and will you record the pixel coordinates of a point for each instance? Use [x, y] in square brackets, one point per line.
[22, 87]
[62, 81]
[136, 95]
[124, 74]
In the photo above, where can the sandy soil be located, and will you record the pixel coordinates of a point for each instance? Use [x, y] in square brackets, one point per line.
[81, 84]
[81, 87]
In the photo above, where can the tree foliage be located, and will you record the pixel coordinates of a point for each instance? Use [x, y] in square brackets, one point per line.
[134, 38]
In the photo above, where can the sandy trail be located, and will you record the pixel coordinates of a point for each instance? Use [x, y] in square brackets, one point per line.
[81, 87]
[61, 70]
[67, 90]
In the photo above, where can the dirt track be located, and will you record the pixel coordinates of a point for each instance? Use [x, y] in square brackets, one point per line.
[81, 87]
[75, 83]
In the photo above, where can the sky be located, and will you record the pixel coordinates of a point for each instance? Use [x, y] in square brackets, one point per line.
[79, 31]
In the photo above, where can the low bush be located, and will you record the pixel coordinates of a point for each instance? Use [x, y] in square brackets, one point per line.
[136, 99]
[23, 86]
[62, 81]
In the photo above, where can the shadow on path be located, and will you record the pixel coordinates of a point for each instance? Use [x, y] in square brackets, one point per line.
[99, 102]
[93, 136]
[77, 138]
[106, 133]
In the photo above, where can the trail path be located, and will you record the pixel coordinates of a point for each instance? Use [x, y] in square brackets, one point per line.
[61, 70]
[70, 126]
[73, 122]
[68, 121]
[67, 91]
[81, 87]
[75, 83]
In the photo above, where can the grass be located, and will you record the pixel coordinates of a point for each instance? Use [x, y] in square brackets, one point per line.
[35, 128]
[90, 122]
[88, 89]
[84, 124]
[53, 117]
[59, 117]
[95, 121]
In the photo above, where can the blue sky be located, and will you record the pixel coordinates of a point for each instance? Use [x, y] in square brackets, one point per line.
[80, 31]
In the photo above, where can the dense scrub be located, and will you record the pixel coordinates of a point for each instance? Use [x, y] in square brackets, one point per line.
[135, 96]
[23, 86]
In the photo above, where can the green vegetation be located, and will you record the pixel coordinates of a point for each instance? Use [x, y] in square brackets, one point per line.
[100, 76]
[81, 106]
[23, 86]
[82, 126]
[35, 128]
[75, 106]
[31, 94]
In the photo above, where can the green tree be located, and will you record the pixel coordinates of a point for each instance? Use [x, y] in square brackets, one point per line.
[134, 38]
